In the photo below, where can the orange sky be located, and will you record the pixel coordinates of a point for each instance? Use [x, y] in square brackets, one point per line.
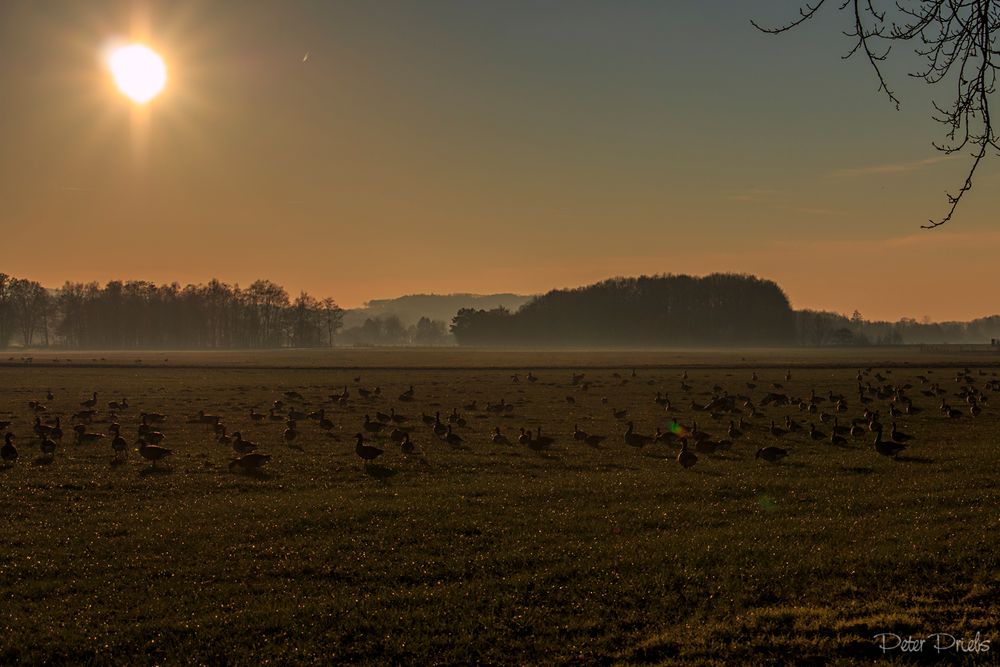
[478, 149]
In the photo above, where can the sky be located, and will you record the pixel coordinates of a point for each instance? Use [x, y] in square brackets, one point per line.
[370, 150]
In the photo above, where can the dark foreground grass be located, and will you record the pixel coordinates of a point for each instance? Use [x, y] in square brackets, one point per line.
[492, 553]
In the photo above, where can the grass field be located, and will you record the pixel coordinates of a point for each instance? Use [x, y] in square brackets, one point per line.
[481, 552]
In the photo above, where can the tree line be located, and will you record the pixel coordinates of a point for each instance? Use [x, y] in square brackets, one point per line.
[679, 310]
[138, 314]
[718, 309]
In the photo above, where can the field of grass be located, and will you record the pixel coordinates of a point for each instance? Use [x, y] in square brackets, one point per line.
[481, 552]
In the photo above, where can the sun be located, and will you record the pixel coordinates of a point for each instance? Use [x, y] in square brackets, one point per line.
[138, 71]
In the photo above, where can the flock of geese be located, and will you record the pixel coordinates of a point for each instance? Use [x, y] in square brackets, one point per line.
[841, 420]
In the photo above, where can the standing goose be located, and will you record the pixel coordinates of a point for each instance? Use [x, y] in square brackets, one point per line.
[899, 436]
[406, 446]
[366, 452]
[634, 439]
[154, 453]
[372, 427]
[290, 433]
[684, 457]
[90, 402]
[241, 446]
[498, 438]
[119, 444]
[524, 438]
[453, 439]
[543, 440]
[8, 452]
[578, 434]
[891, 449]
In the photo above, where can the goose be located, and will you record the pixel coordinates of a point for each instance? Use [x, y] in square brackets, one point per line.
[427, 419]
[899, 436]
[733, 432]
[293, 395]
[119, 444]
[887, 448]
[224, 439]
[837, 440]
[399, 419]
[290, 433]
[634, 439]
[241, 446]
[524, 438]
[975, 410]
[619, 414]
[383, 417]
[498, 438]
[815, 434]
[317, 414]
[154, 453]
[372, 427]
[251, 461]
[364, 393]
[594, 440]
[838, 429]
[90, 402]
[776, 432]
[397, 435]
[296, 415]
[154, 417]
[791, 425]
[771, 454]
[439, 428]
[684, 457]
[366, 452]
[82, 436]
[49, 395]
[48, 447]
[543, 440]
[150, 436]
[40, 429]
[578, 434]
[257, 417]
[208, 419]
[470, 407]
[857, 430]
[570, 400]
[325, 423]
[453, 439]
[118, 405]
[407, 395]
[8, 452]
[406, 446]
[274, 416]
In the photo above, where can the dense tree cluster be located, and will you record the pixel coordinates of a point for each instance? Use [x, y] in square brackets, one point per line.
[719, 309]
[139, 314]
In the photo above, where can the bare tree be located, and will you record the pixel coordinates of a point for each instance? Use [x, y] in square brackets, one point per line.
[955, 42]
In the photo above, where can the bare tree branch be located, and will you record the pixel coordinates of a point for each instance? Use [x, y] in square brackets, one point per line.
[956, 41]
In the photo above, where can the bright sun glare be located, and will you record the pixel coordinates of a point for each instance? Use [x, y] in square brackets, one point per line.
[138, 71]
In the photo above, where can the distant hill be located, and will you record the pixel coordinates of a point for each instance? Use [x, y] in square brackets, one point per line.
[441, 307]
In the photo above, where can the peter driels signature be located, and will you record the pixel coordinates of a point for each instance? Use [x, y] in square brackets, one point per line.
[939, 642]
